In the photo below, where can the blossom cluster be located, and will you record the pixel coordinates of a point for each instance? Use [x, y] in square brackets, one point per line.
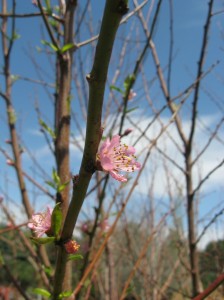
[113, 158]
[40, 223]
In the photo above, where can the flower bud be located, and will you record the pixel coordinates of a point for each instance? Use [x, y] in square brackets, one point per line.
[71, 247]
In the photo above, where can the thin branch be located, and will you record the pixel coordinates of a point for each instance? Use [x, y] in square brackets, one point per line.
[12, 228]
[211, 288]
[141, 255]
[207, 176]
[53, 39]
[211, 138]
[209, 224]
[97, 80]
[124, 20]
[41, 82]
[139, 62]
[171, 46]
[30, 15]
[82, 17]
[199, 73]
[40, 187]
[15, 281]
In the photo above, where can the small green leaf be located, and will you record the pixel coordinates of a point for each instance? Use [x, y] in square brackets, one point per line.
[131, 109]
[48, 270]
[65, 294]
[14, 78]
[75, 257]
[130, 289]
[48, 6]
[56, 220]
[87, 283]
[42, 292]
[129, 81]
[57, 8]
[66, 47]
[61, 187]
[47, 128]
[42, 241]
[16, 36]
[53, 47]
[51, 184]
[56, 178]
[113, 87]
[53, 23]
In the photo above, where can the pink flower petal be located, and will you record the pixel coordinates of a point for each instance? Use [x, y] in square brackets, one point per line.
[41, 222]
[106, 163]
[117, 176]
[115, 157]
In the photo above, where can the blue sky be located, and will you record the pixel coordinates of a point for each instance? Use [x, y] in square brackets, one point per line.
[189, 18]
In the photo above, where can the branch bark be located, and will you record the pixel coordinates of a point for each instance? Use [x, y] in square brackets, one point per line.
[97, 79]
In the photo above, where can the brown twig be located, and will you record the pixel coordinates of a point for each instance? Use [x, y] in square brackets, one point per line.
[141, 255]
[30, 15]
[211, 288]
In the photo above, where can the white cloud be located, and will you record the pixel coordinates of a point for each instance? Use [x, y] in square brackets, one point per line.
[166, 143]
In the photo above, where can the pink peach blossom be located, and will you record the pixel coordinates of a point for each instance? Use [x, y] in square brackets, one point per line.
[115, 157]
[127, 131]
[41, 222]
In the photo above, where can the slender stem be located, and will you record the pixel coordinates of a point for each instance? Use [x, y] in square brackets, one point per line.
[15, 282]
[139, 62]
[114, 9]
[62, 121]
[195, 276]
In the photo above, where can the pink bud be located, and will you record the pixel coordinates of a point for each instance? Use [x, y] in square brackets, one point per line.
[127, 131]
[8, 142]
[71, 247]
[131, 95]
[85, 228]
[9, 162]
[104, 225]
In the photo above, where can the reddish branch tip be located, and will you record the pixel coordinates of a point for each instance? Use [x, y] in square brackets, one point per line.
[71, 247]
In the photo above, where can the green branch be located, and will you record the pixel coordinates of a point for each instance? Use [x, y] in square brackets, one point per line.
[114, 10]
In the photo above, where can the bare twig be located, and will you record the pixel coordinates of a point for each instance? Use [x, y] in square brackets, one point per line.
[30, 15]
[211, 288]
[209, 224]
